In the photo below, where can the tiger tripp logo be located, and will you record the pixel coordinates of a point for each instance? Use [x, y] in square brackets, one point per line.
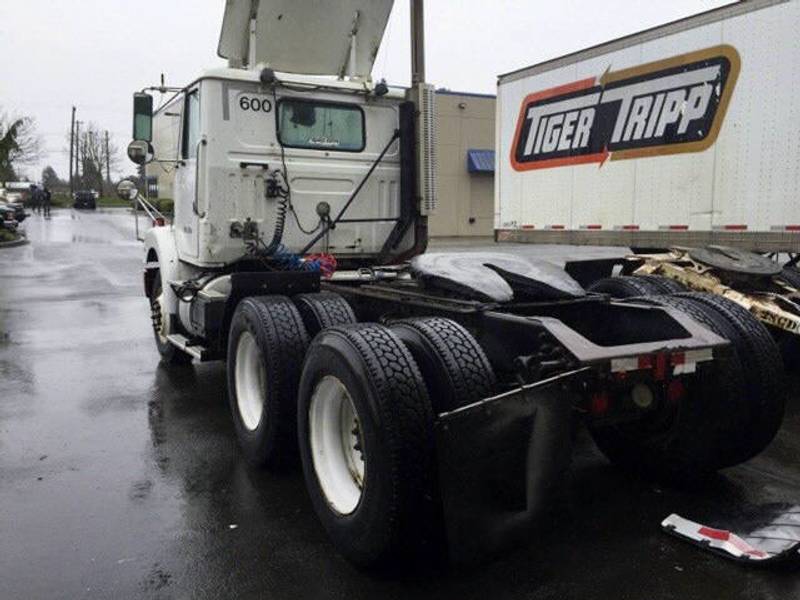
[663, 107]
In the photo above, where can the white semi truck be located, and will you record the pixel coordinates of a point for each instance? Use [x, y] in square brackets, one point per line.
[685, 134]
[431, 398]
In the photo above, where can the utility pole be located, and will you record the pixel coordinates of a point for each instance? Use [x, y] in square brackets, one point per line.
[417, 41]
[78, 151]
[108, 164]
[71, 147]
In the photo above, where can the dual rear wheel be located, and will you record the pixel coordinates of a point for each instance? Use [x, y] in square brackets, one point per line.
[357, 403]
[727, 416]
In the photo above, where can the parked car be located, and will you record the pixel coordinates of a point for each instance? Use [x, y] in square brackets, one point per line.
[8, 219]
[85, 199]
[15, 208]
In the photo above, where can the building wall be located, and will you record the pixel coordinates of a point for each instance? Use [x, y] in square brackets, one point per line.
[466, 201]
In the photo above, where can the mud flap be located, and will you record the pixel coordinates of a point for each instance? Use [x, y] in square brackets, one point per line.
[758, 536]
[501, 462]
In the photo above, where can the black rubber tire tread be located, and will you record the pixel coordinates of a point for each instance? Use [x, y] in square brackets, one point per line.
[716, 429]
[392, 404]
[664, 284]
[322, 310]
[453, 364]
[791, 275]
[625, 286]
[699, 443]
[766, 378]
[282, 339]
[170, 355]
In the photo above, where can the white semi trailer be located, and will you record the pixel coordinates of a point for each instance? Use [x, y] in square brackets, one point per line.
[684, 134]
[430, 397]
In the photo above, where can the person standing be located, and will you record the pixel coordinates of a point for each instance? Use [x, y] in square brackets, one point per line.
[46, 197]
[35, 199]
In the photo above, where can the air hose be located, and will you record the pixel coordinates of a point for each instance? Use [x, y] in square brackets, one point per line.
[281, 209]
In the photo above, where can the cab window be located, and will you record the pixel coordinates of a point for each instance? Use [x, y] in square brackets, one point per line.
[191, 126]
[320, 125]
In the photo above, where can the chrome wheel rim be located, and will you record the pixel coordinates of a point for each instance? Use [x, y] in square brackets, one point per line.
[337, 447]
[251, 378]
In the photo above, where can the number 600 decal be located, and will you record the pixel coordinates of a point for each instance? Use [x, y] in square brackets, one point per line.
[255, 104]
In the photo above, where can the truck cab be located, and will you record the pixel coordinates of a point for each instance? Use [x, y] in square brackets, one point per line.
[264, 157]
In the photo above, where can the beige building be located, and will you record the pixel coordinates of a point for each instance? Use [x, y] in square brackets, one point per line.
[466, 163]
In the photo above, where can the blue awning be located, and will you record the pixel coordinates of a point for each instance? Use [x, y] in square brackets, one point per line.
[480, 161]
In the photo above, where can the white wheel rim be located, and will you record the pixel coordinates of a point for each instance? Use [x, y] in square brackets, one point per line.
[251, 379]
[337, 447]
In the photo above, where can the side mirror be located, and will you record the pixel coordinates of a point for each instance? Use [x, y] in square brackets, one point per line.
[126, 190]
[140, 152]
[143, 117]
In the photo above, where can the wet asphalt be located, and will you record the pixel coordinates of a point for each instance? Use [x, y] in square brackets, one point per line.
[120, 478]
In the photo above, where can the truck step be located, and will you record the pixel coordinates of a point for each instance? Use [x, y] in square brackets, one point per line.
[197, 351]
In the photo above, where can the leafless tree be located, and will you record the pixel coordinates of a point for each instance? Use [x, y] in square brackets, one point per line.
[20, 144]
[96, 158]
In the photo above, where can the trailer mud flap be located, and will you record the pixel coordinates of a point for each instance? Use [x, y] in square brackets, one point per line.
[501, 463]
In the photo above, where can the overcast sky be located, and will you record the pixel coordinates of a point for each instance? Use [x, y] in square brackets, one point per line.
[95, 53]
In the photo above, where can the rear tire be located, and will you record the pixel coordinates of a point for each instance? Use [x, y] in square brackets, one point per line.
[454, 366]
[718, 423]
[626, 287]
[665, 284]
[378, 513]
[322, 310]
[266, 346]
[765, 379]
[791, 275]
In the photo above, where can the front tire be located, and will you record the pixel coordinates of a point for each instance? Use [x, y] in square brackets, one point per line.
[365, 430]
[266, 346]
[170, 354]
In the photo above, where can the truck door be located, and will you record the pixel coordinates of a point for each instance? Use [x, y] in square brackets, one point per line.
[187, 203]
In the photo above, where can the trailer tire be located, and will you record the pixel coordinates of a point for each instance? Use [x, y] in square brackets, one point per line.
[453, 364]
[266, 346]
[377, 516]
[170, 354]
[322, 310]
[791, 275]
[765, 382]
[626, 286]
[664, 284]
[714, 426]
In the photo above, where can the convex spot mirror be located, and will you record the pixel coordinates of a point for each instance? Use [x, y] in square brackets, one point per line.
[140, 152]
[126, 190]
[143, 117]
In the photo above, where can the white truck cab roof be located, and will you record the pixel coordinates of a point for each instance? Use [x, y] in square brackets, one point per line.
[251, 75]
[313, 37]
